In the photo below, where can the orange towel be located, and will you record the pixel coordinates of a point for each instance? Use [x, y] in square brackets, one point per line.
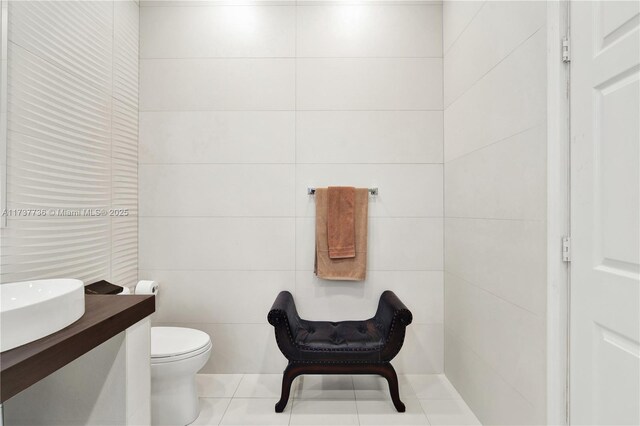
[341, 230]
[351, 268]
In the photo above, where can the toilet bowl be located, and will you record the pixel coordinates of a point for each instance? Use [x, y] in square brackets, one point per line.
[177, 354]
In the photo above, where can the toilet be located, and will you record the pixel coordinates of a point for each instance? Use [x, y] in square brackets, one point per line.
[177, 354]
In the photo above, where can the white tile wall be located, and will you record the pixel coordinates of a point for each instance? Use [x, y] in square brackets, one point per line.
[236, 121]
[179, 287]
[476, 184]
[515, 347]
[422, 349]
[229, 31]
[406, 244]
[499, 29]
[216, 84]
[369, 84]
[217, 190]
[503, 257]
[217, 243]
[506, 101]
[217, 137]
[495, 208]
[374, 30]
[360, 301]
[369, 137]
[456, 16]
[492, 399]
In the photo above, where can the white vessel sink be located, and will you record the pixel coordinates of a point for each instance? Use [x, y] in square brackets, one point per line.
[30, 310]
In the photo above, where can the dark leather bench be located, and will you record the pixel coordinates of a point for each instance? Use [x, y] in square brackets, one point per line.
[345, 347]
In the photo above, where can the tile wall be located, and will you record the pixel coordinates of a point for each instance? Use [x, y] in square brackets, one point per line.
[495, 207]
[239, 115]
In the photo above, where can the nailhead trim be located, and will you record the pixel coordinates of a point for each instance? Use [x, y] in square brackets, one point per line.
[276, 316]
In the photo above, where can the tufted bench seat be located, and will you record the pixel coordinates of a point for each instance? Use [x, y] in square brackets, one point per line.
[312, 335]
[345, 347]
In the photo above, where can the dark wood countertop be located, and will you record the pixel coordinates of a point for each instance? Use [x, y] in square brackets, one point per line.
[105, 316]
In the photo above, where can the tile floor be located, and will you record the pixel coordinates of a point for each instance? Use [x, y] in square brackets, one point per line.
[237, 399]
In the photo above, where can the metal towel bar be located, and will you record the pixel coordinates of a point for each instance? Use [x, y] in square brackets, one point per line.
[372, 191]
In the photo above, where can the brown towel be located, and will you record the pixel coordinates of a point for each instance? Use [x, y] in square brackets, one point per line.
[349, 269]
[341, 230]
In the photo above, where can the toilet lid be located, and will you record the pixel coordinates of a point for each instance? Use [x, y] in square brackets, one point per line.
[175, 341]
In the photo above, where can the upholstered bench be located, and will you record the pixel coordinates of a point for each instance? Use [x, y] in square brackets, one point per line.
[345, 347]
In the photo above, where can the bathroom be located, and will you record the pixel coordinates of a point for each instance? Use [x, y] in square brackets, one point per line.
[180, 150]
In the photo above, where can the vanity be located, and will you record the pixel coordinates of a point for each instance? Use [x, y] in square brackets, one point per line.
[96, 370]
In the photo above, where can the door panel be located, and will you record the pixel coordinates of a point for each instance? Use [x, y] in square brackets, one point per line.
[605, 213]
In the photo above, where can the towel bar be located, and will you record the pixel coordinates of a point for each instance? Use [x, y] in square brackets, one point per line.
[372, 191]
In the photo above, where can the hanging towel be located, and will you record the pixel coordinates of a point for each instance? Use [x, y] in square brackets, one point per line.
[348, 269]
[341, 230]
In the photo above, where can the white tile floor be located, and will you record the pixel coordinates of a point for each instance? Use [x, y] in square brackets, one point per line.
[249, 399]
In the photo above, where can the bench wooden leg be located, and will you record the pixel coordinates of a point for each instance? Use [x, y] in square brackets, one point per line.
[388, 372]
[289, 375]
[385, 370]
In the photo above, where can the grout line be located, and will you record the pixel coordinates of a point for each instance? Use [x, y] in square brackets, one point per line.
[238, 385]
[488, 366]
[484, 290]
[497, 141]
[294, 387]
[355, 399]
[267, 110]
[507, 56]
[408, 382]
[226, 407]
[267, 217]
[473, 18]
[203, 4]
[353, 385]
[230, 401]
[496, 219]
[444, 195]
[227, 58]
[214, 270]
[295, 150]
[248, 397]
[278, 270]
[424, 411]
[291, 164]
[137, 265]
[111, 140]
[150, 4]
[166, 323]
[159, 111]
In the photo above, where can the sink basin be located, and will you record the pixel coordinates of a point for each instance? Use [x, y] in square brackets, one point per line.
[30, 310]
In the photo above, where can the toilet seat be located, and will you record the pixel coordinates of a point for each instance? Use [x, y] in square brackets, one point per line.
[170, 344]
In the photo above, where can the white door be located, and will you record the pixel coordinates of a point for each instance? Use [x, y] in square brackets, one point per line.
[605, 213]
